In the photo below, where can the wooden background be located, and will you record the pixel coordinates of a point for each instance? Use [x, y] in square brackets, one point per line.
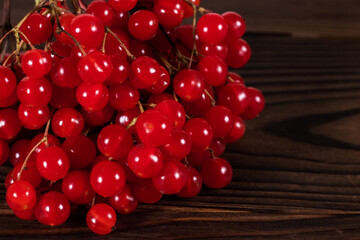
[297, 170]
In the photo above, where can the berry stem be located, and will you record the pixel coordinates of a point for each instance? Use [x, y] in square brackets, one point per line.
[211, 152]
[107, 29]
[213, 102]
[194, 32]
[230, 79]
[104, 43]
[141, 107]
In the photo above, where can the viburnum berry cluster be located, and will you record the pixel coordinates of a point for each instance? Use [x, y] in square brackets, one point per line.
[72, 98]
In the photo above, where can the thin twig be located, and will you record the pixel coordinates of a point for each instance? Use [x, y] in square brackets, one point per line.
[130, 55]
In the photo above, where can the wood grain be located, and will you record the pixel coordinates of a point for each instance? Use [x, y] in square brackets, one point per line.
[296, 171]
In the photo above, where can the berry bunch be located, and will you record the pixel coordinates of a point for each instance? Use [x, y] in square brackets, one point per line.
[80, 96]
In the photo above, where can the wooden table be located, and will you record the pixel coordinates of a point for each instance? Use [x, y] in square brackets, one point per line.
[296, 171]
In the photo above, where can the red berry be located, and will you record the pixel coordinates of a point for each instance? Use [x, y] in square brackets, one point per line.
[162, 84]
[52, 209]
[98, 118]
[88, 30]
[178, 146]
[239, 54]
[33, 117]
[19, 151]
[67, 122]
[124, 202]
[211, 28]
[92, 96]
[107, 178]
[171, 179]
[237, 130]
[174, 111]
[36, 63]
[102, 10]
[216, 172]
[169, 12]
[122, 5]
[10, 124]
[63, 97]
[20, 196]
[121, 19]
[65, 74]
[29, 174]
[36, 92]
[123, 97]
[145, 191]
[145, 72]
[95, 67]
[37, 28]
[236, 25]
[121, 70]
[256, 104]
[113, 46]
[7, 82]
[188, 10]
[143, 25]
[193, 184]
[213, 69]
[53, 163]
[80, 150]
[65, 21]
[189, 84]
[101, 218]
[76, 187]
[200, 132]
[235, 97]
[221, 120]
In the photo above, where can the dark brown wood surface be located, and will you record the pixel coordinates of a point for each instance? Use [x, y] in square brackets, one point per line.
[296, 171]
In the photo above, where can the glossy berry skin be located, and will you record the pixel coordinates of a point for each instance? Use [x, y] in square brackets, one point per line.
[33, 117]
[153, 128]
[88, 30]
[220, 50]
[52, 141]
[126, 117]
[101, 218]
[145, 191]
[145, 72]
[174, 111]
[235, 97]
[236, 25]
[98, 118]
[120, 72]
[20, 196]
[8, 101]
[256, 104]
[18, 151]
[216, 172]
[37, 28]
[162, 84]
[158, 98]
[198, 107]
[95, 67]
[36, 63]
[76, 187]
[52, 209]
[123, 97]
[211, 28]
[113, 46]
[107, 178]
[124, 202]
[188, 10]
[170, 13]
[235, 78]
[114, 141]
[239, 54]
[139, 48]
[53, 163]
[65, 21]
[171, 179]
[25, 214]
[178, 146]
[102, 10]
[218, 147]
[10, 124]
[36, 92]
[63, 97]
[121, 19]
[143, 25]
[237, 130]
[80, 150]
[200, 132]
[221, 120]
[144, 161]
[92, 96]
[189, 84]
[4, 151]
[30, 174]
[7, 82]
[213, 69]
[64, 73]
[122, 5]
[193, 184]
[67, 122]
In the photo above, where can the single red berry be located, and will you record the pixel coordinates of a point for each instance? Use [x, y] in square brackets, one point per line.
[112, 44]
[7, 82]
[162, 84]
[193, 184]
[65, 21]
[76, 187]
[213, 69]
[145, 72]
[36, 92]
[198, 107]
[19, 151]
[107, 178]
[123, 97]
[235, 97]
[102, 10]
[124, 202]
[26, 214]
[121, 19]
[145, 191]
[95, 67]
[211, 28]
[37, 28]
[236, 25]
[216, 172]
[239, 54]
[53, 163]
[220, 50]
[174, 111]
[92, 96]
[153, 128]
[80, 150]
[121, 70]
[218, 147]
[67, 122]
[52, 209]
[140, 48]
[237, 130]
[101, 218]
[126, 117]
[36, 63]
[29, 174]
[143, 25]
[189, 84]
[114, 141]
[144, 161]
[10, 124]
[63, 97]
[98, 118]
[169, 12]
[200, 132]
[51, 141]
[221, 120]
[178, 146]
[88, 30]
[33, 117]
[20, 196]
[8, 101]
[64, 74]
[171, 179]
[256, 104]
